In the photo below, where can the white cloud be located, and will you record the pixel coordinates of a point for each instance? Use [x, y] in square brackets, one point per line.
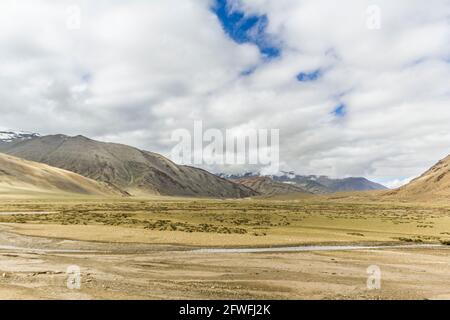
[137, 70]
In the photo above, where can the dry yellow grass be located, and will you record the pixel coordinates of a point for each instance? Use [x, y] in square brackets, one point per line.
[202, 222]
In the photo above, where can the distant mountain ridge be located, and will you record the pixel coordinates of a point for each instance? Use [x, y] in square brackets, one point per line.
[130, 169]
[315, 184]
[268, 187]
[9, 136]
[141, 172]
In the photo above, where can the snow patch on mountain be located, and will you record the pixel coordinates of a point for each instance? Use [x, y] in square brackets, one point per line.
[9, 136]
[318, 184]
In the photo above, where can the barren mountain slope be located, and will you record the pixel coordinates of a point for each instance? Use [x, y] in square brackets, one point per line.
[349, 184]
[131, 169]
[435, 183]
[19, 176]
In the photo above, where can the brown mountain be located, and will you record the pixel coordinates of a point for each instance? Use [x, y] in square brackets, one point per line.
[433, 184]
[315, 184]
[133, 170]
[19, 176]
[268, 187]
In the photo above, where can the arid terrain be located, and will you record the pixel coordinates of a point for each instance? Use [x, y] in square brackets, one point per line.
[103, 230]
[130, 248]
[224, 149]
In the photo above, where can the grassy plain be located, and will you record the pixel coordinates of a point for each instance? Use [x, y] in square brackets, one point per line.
[248, 222]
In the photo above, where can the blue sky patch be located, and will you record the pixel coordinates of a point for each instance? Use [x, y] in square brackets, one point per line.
[309, 76]
[340, 111]
[86, 77]
[248, 72]
[244, 28]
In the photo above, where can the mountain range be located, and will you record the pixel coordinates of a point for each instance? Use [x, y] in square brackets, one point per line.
[309, 184]
[9, 136]
[132, 170]
[60, 163]
[268, 187]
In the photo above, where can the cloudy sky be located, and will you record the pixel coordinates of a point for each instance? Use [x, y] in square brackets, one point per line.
[352, 95]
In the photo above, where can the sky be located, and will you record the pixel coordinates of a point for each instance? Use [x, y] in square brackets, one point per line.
[356, 88]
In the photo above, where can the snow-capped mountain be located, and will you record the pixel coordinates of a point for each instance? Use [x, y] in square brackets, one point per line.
[231, 176]
[313, 183]
[9, 136]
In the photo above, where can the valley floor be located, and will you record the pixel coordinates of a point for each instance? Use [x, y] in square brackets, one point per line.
[143, 249]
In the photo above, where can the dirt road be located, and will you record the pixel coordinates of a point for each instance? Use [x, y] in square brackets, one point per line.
[137, 271]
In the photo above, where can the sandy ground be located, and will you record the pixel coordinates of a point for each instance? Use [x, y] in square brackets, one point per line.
[32, 268]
